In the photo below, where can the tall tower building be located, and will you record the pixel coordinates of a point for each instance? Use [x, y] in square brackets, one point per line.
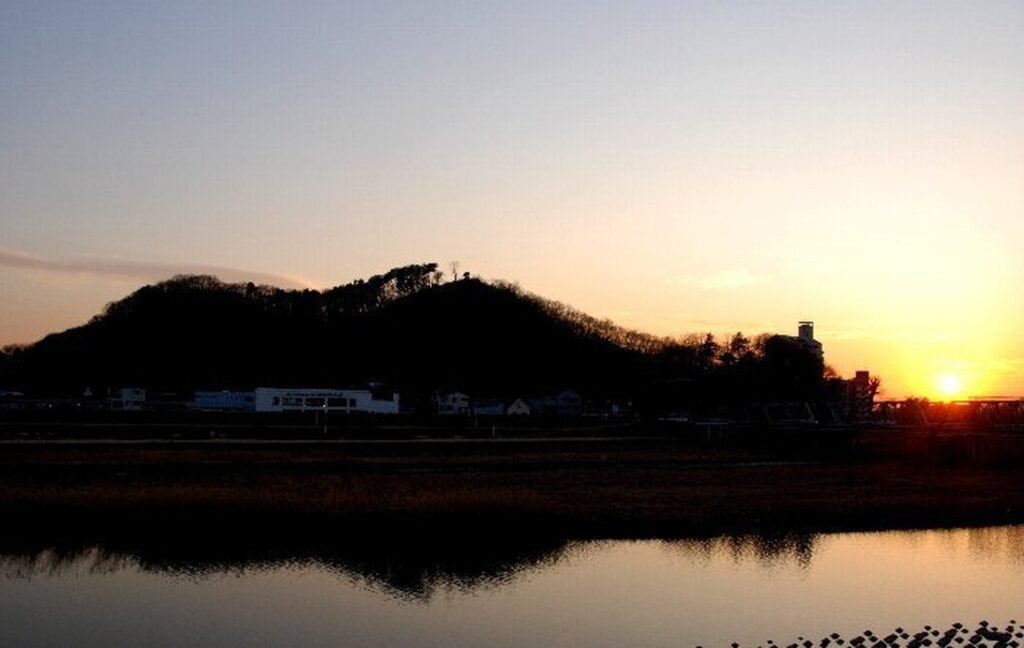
[805, 331]
[805, 334]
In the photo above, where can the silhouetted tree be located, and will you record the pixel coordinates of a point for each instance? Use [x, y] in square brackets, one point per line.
[874, 386]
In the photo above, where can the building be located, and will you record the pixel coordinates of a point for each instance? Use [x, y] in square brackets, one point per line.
[852, 399]
[518, 407]
[603, 408]
[805, 336]
[11, 400]
[565, 404]
[860, 396]
[452, 404]
[488, 407]
[274, 399]
[223, 401]
[128, 399]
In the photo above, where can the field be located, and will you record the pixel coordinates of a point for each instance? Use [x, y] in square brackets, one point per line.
[575, 488]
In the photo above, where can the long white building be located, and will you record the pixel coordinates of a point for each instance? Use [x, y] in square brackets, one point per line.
[273, 399]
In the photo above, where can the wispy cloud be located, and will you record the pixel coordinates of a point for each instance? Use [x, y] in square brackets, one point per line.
[724, 280]
[142, 270]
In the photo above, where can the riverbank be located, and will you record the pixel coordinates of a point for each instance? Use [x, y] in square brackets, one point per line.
[567, 488]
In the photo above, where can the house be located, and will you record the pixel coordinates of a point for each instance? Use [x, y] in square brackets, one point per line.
[565, 404]
[274, 399]
[568, 404]
[488, 407]
[452, 404]
[11, 400]
[128, 399]
[518, 407]
[604, 408]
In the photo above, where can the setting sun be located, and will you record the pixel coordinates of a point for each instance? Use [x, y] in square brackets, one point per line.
[949, 385]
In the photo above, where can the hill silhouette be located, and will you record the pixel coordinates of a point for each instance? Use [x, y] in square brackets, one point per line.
[406, 328]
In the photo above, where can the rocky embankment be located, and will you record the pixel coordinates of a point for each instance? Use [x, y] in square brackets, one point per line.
[985, 634]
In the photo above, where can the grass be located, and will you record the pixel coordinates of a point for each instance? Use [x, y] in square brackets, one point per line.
[605, 489]
[407, 516]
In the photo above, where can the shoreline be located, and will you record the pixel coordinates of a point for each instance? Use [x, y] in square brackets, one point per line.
[608, 488]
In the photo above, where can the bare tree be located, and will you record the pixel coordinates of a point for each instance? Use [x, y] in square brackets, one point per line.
[874, 386]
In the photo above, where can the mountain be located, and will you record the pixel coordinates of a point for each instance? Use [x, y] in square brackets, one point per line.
[406, 328]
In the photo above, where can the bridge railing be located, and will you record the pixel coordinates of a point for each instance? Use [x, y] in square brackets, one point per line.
[959, 413]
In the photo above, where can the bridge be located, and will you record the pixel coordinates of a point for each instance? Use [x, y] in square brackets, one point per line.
[988, 414]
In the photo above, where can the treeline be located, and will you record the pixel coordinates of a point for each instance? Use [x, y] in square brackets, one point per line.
[358, 297]
[408, 328]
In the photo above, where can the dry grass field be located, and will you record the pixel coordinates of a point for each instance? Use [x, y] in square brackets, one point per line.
[610, 489]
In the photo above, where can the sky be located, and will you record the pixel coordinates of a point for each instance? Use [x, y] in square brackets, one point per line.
[677, 167]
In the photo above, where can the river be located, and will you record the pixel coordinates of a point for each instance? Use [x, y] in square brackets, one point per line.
[683, 592]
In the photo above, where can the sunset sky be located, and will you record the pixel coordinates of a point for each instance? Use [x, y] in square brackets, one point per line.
[675, 166]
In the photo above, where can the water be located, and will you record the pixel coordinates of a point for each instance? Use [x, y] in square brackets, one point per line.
[609, 593]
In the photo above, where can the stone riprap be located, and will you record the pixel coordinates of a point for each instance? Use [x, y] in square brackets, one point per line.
[982, 635]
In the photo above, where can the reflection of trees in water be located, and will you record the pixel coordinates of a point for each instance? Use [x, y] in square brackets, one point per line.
[1000, 541]
[779, 550]
[770, 550]
[981, 543]
[413, 566]
[404, 565]
[59, 562]
[408, 566]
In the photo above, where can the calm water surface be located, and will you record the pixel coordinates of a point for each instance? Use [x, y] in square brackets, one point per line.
[611, 593]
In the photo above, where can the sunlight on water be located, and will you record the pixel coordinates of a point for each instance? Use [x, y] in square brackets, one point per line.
[601, 593]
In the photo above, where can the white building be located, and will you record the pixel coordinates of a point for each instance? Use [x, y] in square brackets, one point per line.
[273, 399]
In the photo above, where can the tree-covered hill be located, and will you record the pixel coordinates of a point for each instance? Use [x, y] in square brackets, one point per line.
[406, 328]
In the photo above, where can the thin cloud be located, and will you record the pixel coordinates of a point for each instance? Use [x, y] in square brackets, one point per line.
[143, 270]
[725, 280]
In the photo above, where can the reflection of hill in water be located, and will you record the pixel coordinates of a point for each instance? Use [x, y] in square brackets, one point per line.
[406, 566]
[417, 571]
[411, 565]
